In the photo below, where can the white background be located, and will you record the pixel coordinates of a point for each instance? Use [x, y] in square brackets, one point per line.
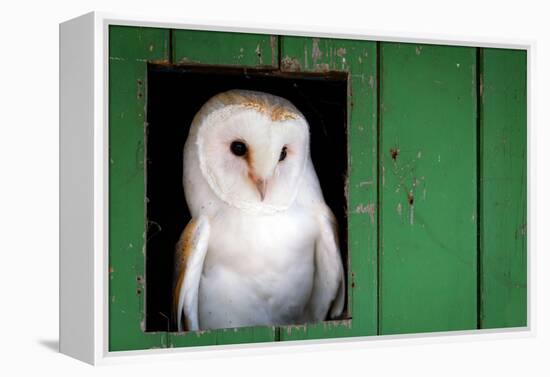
[29, 186]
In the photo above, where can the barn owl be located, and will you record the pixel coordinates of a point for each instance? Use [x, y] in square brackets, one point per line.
[262, 247]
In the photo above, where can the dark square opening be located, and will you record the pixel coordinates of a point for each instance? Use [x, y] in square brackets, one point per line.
[174, 95]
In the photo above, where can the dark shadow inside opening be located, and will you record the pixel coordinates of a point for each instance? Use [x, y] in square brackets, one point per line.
[175, 94]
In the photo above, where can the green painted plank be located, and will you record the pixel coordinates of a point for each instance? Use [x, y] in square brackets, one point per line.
[223, 48]
[129, 49]
[504, 188]
[359, 59]
[428, 246]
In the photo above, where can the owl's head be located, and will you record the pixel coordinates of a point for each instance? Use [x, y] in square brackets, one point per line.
[251, 149]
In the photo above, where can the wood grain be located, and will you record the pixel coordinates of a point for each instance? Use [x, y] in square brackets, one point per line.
[504, 188]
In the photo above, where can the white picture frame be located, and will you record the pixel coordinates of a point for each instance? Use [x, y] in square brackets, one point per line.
[84, 331]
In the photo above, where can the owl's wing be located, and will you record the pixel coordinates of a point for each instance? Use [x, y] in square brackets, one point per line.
[190, 252]
[328, 292]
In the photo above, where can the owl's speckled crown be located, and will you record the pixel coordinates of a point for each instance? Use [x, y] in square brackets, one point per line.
[277, 108]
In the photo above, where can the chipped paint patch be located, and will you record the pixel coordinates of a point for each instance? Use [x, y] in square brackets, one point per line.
[290, 64]
[521, 231]
[301, 328]
[324, 67]
[274, 45]
[241, 54]
[369, 208]
[316, 52]
[365, 183]
[361, 76]
[186, 60]
[371, 81]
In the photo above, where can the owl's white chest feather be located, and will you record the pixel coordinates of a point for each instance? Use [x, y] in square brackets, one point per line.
[258, 269]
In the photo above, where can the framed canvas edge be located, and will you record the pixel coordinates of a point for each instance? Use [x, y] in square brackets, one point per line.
[101, 22]
[293, 346]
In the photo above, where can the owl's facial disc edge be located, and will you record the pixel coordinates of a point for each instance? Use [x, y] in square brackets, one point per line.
[273, 183]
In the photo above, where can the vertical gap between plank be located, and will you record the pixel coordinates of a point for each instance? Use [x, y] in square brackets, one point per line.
[277, 334]
[378, 191]
[171, 46]
[479, 92]
[279, 52]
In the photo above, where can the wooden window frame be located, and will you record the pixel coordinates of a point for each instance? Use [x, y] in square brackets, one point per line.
[131, 49]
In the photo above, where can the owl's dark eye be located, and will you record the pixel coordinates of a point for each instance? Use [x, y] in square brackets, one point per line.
[282, 156]
[238, 148]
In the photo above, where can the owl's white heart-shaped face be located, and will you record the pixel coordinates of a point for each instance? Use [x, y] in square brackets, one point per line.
[252, 150]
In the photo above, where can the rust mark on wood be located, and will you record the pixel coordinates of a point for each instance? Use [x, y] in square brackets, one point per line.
[394, 152]
[410, 200]
[259, 53]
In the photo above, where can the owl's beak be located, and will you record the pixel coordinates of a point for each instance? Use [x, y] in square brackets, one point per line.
[260, 174]
[261, 185]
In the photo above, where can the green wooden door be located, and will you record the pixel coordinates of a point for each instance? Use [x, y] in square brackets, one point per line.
[436, 189]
